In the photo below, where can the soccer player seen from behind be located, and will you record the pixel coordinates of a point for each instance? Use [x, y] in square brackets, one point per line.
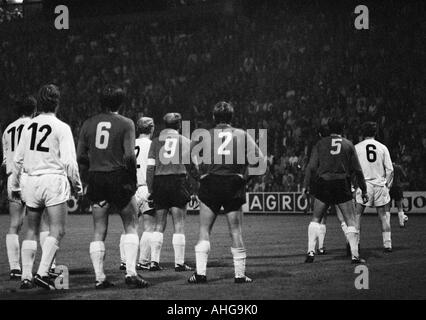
[168, 183]
[333, 161]
[10, 140]
[223, 177]
[377, 167]
[106, 148]
[47, 154]
[146, 212]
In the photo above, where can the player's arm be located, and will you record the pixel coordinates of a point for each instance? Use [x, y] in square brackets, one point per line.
[357, 171]
[83, 152]
[17, 163]
[312, 167]
[150, 168]
[129, 157]
[257, 161]
[387, 162]
[69, 159]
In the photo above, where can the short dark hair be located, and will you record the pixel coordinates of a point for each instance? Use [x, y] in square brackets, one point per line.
[335, 126]
[174, 125]
[223, 112]
[27, 106]
[112, 98]
[48, 98]
[369, 129]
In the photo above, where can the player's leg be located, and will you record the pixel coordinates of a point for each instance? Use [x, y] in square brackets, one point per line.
[402, 217]
[344, 227]
[147, 219]
[202, 249]
[57, 220]
[321, 235]
[122, 254]
[314, 228]
[238, 250]
[157, 238]
[384, 218]
[16, 212]
[179, 241]
[97, 246]
[29, 246]
[349, 215]
[44, 233]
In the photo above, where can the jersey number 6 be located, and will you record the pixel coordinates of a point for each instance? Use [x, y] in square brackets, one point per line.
[102, 135]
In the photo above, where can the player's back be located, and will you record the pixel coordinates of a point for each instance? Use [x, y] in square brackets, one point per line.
[375, 161]
[103, 136]
[42, 147]
[142, 146]
[10, 140]
[228, 153]
[170, 152]
[335, 155]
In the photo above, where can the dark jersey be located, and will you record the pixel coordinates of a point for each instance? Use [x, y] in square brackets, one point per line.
[169, 153]
[229, 151]
[107, 143]
[334, 158]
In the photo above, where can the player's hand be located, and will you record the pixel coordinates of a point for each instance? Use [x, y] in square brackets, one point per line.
[150, 201]
[364, 197]
[16, 195]
[194, 202]
[305, 193]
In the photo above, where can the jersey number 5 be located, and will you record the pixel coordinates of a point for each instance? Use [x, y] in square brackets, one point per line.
[336, 143]
[102, 135]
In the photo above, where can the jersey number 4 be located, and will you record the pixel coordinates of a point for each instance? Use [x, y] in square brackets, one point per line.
[102, 135]
[46, 130]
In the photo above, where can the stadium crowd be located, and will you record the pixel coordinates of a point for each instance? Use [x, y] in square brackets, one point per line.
[288, 73]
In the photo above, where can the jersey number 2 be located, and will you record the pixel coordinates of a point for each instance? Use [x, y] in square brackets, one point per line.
[102, 135]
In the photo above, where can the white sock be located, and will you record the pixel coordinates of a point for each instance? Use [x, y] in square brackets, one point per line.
[131, 247]
[202, 250]
[50, 246]
[13, 251]
[145, 247]
[321, 235]
[239, 255]
[345, 230]
[43, 236]
[401, 217]
[352, 236]
[387, 242]
[97, 254]
[28, 253]
[313, 232]
[179, 248]
[156, 245]
[122, 254]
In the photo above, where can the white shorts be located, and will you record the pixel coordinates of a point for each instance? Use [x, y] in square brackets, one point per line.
[22, 182]
[141, 196]
[377, 195]
[46, 190]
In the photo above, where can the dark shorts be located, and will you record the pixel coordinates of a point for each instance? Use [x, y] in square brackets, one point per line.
[222, 191]
[333, 192]
[115, 188]
[170, 191]
[396, 193]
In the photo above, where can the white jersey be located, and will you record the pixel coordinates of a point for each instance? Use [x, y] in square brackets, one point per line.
[375, 162]
[46, 147]
[142, 146]
[10, 140]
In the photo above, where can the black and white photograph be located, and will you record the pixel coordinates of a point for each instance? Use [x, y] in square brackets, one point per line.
[212, 155]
